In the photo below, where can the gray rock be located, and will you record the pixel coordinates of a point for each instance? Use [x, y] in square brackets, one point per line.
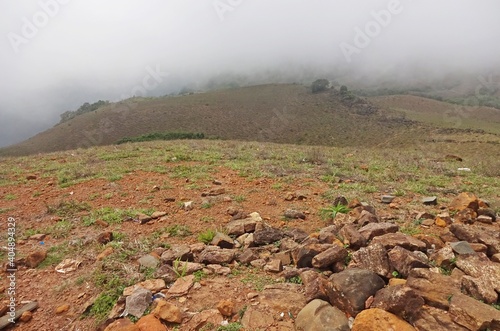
[373, 230]
[148, 261]
[430, 201]
[319, 315]
[177, 252]
[390, 240]
[404, 261]
[137, 303]
[473, 314]
[330, 256]
[462, 247]
[374, 258]
[294, 214]
[267, 236]
[348, 290]
[387, 198]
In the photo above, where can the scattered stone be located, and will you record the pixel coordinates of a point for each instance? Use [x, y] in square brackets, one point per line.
[31, 177]
[181, 286]
[387, 198]
[484, 219]
[434, 287]
[189, 268]
[222, 240]
[462, 248]
[430, 201]
[102, 223]
[158, 214]
[166, 272]
[404, 261]
[349, 289]
[374, 258]
[143, 218]
[214, 192]
[205, 317]
[487, 212]
[473, 314]
[352, 237]
[218, 269]
[62, 309]
[391, 240]
[274, 265]
[187, 206]
[319, 315]
[177, 252]
[105, 253]
[267, 236]
[122, 324]
[379, 320]
[297, 235]
[148, 261]
[226, 307]
[37, 237]
[150, 323]
[328, 257]
[247, 256]
[328, 235]
[169, 199]
[153, 285]
[466, 216]
[294, 214]
[431, 242]
[246, 225]
[167, 311]
[26, 316]
[373, 230]
[464, 200]
[216, 255]
[138, 302]
[35, 258]
[400, 300]
[105, 237]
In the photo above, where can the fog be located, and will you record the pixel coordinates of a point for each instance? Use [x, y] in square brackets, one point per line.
[57, 54]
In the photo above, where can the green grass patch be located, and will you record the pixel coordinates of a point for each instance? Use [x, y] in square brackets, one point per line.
[161, 136]
[68, 208]
[206, 236]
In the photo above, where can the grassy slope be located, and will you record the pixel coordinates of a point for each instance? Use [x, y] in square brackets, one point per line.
[276, 113]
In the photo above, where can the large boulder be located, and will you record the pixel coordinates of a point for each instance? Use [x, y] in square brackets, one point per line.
[319, 315]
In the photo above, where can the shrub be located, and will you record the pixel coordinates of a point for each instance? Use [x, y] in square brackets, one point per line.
[320, 85]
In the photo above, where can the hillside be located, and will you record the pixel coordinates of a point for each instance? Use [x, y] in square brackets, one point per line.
[274, 113]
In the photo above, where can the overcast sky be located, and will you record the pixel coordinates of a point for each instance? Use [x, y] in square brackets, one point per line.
[57, 54]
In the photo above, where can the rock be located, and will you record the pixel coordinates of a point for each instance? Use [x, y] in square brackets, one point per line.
[254, 319]
[397, 281]
[158, 214]
[226, 307]
[177, 252]
[259, 263]
[390, 240]
[330, 256]
[328, 234]
[241, 226]
[297, 235]
[404, 261]
[487, 212]
[153, 285]
[167, 311]
[473, 314]
[447, 237]
[148, 261]
[284, 257]
[188, 268]
[288, 244]
[122, 324]
[374, 258]
[319, 315]
[216, 255]
[431, 242]
[467, 216]
[181, 286]
[267, 236]
[187, 206]
[373, 230]
[427, 223]
[348, 290]
[105, 237]
[274, 266]
[138, 302]
[294, 214]
[203, 318]
[272, 297]
[484, 219]
[495, 258]
[26, 316]
[105, 253]
[352, 237]
[303, 255]
[150, 323]
[315, 285]
[462, 247]
[400, 300]
[37, 237]
[443, 257]
[443, 219]
[430, 201]
[247, 256]
[218, 269]
[214, 192]
[222, 240]
[166, 272]
[340, 201]
[34, 259]
[432, 319]
[143, 218]
[31, 177]
[366, 218]
[379, 320]
[62, 309]
[464, 200]
[387, 198]
[480, 289]
[435, 288]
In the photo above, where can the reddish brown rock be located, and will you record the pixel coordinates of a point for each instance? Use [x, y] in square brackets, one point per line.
[373, 230]
[167, 311]
[150, 323]
[473, 314]
[374, 258]
[379, 320]
[464, 200]
[435, 288]
[226, 307]
[35, 258]
[330, 256]
[105, 237]
[399, 299]
[404, 261]
[390, 240]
